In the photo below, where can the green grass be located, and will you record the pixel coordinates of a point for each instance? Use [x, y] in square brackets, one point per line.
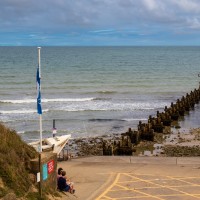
[15, 156]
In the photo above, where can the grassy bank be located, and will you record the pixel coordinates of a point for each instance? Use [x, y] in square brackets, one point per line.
[15, 156]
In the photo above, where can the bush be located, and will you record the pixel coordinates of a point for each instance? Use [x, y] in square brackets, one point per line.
[15, 156]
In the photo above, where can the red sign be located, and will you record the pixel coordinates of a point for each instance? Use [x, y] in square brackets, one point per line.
[50, 166]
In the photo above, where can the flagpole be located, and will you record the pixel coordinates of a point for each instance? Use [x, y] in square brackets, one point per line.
[40, 119]
[41, 133]
[40, 115]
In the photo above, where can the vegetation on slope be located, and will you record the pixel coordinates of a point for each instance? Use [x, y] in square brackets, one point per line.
[15, 156]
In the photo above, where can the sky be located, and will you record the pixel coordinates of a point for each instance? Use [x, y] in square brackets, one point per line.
[99, 22]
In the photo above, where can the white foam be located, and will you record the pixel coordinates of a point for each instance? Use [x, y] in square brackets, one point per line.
[106, 106]
[20, 101]
[20, 132]
[67, 100]
[20, 111]
[131, 119]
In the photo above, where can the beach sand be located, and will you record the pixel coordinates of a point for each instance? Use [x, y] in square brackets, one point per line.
[162, 145]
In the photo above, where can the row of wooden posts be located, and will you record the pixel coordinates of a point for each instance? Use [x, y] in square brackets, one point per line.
[146, 131]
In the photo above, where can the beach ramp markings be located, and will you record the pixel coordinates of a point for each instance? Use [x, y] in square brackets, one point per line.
[140, 192]
[104, 195]
[109, 188]
[164, 186]
[143, 186]
[191, 182]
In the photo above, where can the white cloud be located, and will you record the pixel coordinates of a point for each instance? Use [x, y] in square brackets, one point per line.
[102, 31]
[100, 17]
[93, 14]
[150, 4]
[194, 23]
[188, 5]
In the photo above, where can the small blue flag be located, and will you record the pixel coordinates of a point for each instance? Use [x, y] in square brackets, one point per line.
[39, 106]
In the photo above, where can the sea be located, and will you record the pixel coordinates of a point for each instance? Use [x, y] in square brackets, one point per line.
[94, 91]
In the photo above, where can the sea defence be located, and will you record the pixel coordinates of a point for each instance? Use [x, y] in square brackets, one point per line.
[157, 124]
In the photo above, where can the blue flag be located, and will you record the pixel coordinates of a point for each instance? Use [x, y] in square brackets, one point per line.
[39, 106]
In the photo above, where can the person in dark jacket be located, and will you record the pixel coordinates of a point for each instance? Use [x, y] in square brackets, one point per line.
[59, 173]
[62, 184]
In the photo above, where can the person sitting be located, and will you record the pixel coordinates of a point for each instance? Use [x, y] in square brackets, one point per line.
[59, 173]
[63, 185]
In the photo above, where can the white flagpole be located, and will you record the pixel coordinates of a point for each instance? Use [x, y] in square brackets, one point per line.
[40, 89]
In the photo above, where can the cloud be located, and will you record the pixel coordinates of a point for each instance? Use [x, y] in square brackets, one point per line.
[190, 6]
[99, 17]
[151, 4]
[64, 15]
[103, 31]
[194, 23]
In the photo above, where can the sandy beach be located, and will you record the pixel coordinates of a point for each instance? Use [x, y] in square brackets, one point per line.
[163, 144]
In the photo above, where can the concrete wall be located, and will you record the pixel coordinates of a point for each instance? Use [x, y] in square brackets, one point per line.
[49, 171]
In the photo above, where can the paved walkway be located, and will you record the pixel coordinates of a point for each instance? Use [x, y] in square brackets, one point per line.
[147, 186]
[125, 178]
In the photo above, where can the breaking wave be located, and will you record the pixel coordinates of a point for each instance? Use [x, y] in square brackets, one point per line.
[21, 101]
[20, 111]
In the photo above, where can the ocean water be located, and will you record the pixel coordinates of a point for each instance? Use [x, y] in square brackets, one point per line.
[92, 91]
